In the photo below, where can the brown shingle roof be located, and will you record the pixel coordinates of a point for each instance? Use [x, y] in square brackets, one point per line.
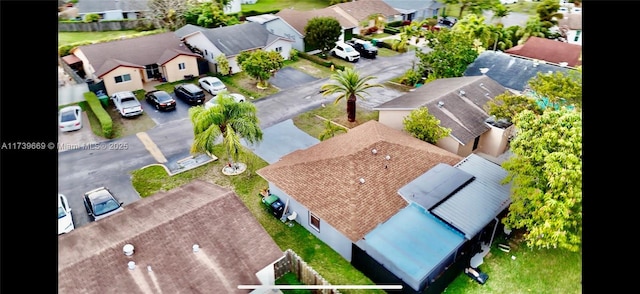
[298, 19]
[163, 228]
[549, 50]
[361, 10]
[325, 177]
[134, 52]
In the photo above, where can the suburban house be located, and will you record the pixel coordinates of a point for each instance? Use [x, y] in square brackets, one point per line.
[127, 64]
[231, 41]
[550, 51]
[185, 240]
[354, 17]
[277, 26]
[458, 104]
[113, 10]
[571, 26]
[401, 210]
[510, 71]
[416, 10]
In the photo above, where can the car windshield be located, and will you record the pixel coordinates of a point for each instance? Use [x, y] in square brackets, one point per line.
[61, 212]
[163, 96]
[217, 84]
[367, 46]
[348, 49]
[68, 116]
[105, 206]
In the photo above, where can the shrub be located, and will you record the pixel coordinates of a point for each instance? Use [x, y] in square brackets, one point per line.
[293, 54]
[318, 60]
[392, 31]
[394, 24]
[92, 17]
[103, 116]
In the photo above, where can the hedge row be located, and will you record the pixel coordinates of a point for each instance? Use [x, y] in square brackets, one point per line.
[103, 116]
[320, 61]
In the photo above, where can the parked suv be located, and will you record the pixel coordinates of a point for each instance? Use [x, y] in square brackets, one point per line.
[365, 48]
[190, 93]
[345, 51]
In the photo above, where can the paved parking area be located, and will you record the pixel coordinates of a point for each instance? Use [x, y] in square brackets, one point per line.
[289, 77]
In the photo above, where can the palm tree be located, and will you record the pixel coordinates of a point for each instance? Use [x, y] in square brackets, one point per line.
[229, 119]
[330, 130]
[349, 84]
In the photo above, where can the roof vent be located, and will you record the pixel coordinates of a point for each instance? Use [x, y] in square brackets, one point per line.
[388, 157]
[196, 248]
[131, 265]
[440, 104]
[484, 70]
[462, 93]
[361, 180]
[128, 249]
[374, 151]
[564, 63]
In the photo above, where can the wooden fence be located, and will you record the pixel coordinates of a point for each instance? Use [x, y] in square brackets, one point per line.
[305, 274]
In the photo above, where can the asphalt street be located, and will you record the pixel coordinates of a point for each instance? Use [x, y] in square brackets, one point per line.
[110, 163]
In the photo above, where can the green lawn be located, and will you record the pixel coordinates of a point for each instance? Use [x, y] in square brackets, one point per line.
[269, 5]
[65, 38]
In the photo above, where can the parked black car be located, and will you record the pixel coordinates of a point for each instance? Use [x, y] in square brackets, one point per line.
[448, 21]
[190, 93]
[161, 100]
[365, 48]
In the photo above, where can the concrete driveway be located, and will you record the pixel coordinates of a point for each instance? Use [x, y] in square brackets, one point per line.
[289, 77]
[80, 139]
[279, 140]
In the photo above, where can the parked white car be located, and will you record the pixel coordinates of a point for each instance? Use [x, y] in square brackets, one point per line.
[212, 85]
[65, 219]
[213, 101]
[70, 118]
[345, 51]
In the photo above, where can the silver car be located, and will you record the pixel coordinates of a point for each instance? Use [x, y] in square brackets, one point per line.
[101, 203]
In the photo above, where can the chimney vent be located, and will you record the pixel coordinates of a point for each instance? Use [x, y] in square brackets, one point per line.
[440, 104]
[196, 248]
[131, 265]
[462, 92]
[128, 249]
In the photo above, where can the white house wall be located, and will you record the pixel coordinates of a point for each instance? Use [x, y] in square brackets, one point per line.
[280, 28]
[329, 235]
[285, 47]
[393, 118]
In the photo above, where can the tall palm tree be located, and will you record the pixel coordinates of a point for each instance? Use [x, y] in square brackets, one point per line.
[349, 84]
[228, 119]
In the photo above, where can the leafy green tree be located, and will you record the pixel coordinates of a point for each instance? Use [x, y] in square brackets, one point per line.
[260, 64]
[473, 6]
[322, 33]
[548, 13]
[533, 28]
[499, 12]
[424, 126]
[330, 130]
[546, 175]
[92, 17]
[476, 28]
[560, 88]
[452, 53]
[228, 119]
[209, 15]
[349, 84]
[223, 64]
[507, 106]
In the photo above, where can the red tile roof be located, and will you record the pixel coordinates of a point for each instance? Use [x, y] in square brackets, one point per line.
[163, 229]
[325, 177]
[549, 50]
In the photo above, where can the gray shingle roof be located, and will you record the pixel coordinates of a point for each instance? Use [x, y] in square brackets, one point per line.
[509, 71]
[414, 4]
[464, 115]
[232, 40]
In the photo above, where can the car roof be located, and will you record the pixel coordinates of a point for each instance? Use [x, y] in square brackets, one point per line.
[214, 79]
[99, 193]
[161, 94]
[70, 108]
[191, 87]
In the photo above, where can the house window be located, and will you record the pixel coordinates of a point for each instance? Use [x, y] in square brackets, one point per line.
[206, 52]
[279, 49]
[123, 78]
[181, 66]
[314, 221]
[577, 36]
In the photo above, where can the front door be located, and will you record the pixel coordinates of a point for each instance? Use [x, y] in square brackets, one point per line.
[153, 72]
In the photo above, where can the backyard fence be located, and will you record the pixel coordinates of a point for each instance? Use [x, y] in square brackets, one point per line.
[305, 274]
